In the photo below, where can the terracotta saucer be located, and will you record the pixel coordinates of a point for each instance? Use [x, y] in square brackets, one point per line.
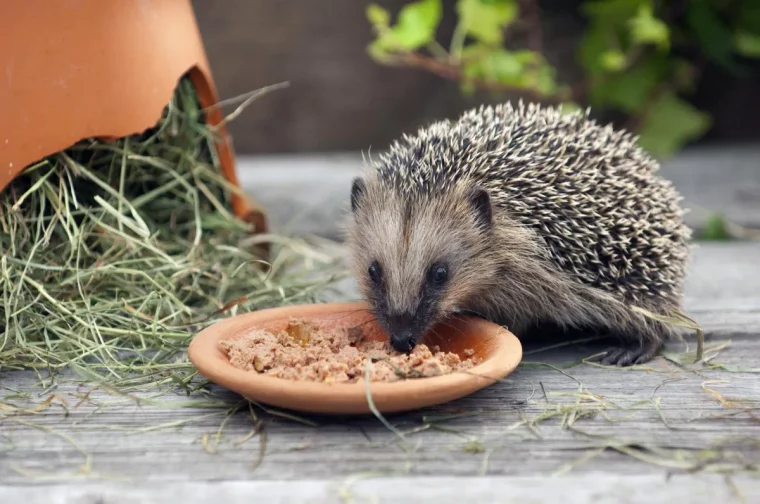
[500, 350]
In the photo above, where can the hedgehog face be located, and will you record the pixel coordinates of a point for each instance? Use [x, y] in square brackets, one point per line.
[419, 259]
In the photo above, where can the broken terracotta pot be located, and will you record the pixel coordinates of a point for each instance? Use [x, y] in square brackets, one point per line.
[98, 69]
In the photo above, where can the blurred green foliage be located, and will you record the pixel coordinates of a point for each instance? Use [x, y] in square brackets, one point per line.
[640, 58]
[715, 229]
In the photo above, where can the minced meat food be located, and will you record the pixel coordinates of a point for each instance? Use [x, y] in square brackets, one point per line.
[307, 353]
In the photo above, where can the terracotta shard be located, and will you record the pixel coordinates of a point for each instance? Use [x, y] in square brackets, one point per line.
[98, 69]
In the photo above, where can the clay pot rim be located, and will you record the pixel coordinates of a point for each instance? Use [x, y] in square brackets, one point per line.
[504, 353]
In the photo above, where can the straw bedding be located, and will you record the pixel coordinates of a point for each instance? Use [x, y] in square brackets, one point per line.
[115, 254]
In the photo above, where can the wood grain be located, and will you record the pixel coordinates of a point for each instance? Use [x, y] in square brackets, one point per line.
[508, 440]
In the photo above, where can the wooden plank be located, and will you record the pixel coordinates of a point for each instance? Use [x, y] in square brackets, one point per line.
[650, 420]
[584, 489]
[504, 436]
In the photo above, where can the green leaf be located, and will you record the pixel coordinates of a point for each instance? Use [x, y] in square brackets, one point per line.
[546, 82]
[377, 52]
[467, 88]
[747, 44]
[647, 29]
[749, 16]
[613, 60]
[594, 43]
[715, 229]
[416, 26]
[519, 69]
[714, 37]
[486, 20]
[498, 65]
[378, 16]
[612, 12]
[569, 108]
[527, 57]
[615, 25]
[630, 90]
[671, 123]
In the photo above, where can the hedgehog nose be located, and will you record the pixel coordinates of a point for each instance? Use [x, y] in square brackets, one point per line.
[401, 333]
[402, 341]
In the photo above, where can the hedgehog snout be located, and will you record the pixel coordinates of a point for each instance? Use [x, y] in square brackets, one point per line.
[403, 341]
[402, 333]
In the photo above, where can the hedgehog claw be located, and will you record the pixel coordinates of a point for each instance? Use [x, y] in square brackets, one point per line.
[615, 356]
[627, 356]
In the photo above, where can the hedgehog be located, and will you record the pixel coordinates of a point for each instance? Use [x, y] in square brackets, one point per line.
[525, 215]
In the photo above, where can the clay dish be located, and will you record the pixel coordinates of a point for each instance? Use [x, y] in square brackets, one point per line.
[500, 350]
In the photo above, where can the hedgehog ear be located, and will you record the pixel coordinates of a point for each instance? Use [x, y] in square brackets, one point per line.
[481, 204]
[357, 191]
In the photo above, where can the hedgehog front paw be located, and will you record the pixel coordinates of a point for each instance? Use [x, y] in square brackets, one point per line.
[631, 355]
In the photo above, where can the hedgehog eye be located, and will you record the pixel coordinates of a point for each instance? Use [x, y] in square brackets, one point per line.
[374, 272]
[438, 274]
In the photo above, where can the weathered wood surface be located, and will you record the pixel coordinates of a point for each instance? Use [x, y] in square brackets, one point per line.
[504, 443]
[584, 489]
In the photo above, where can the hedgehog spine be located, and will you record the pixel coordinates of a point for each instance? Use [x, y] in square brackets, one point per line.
[568, 219]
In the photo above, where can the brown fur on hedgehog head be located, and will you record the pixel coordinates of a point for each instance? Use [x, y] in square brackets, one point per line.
[413, 266]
